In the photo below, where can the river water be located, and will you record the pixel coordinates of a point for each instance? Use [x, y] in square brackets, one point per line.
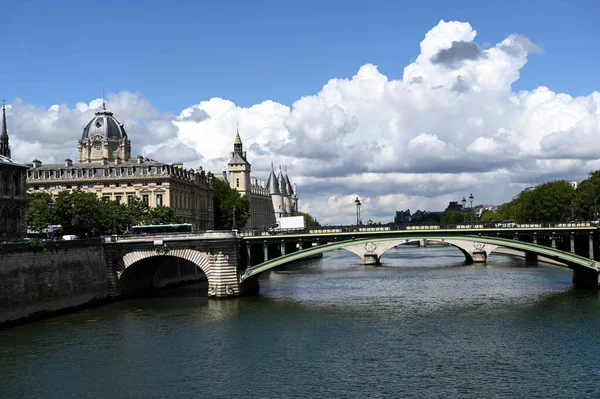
[421, 325]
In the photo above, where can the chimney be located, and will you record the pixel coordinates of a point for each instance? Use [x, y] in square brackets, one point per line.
[68, 162]
[36, 163]
[118, 160]
[140, 159]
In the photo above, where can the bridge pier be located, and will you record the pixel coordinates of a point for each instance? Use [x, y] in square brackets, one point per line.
[586, 278]
[591, 246]
[371, 259]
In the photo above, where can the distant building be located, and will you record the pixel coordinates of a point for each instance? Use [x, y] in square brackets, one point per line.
[402, 217]
[13, 196]
[274, 199]
[454, 206]
[105, 167]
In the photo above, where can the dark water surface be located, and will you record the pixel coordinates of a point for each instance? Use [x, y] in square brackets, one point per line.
[421, 325]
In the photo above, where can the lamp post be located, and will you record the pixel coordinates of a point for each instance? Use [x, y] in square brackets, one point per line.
[357, 202]
[464, 204]
[471, 198]
[595, 209]
[234, 224]
[572, 211]
[51, 206]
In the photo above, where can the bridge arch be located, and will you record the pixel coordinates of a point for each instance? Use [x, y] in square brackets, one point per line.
[222, 276]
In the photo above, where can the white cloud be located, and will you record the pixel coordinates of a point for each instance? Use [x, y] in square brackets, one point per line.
[451, 126]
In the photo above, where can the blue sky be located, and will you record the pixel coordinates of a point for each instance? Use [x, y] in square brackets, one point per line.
[178, 53]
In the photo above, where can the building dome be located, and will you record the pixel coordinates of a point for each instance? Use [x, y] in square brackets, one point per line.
[105, 125]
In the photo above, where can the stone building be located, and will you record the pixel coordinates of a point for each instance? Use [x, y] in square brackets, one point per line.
[105, 167]
[13, 197]
[274, 199]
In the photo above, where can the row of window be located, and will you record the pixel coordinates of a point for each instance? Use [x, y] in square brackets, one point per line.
[11, 186]
[92, 185]
[145, 198]
[91, 172]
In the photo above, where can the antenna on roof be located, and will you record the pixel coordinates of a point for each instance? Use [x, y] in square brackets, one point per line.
[103, 103]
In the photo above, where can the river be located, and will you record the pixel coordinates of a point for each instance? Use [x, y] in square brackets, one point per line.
[421, 325]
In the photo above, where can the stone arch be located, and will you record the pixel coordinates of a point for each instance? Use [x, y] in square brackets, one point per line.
[200, 259]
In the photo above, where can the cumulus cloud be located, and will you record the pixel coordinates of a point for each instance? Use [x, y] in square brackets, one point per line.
[450, 126]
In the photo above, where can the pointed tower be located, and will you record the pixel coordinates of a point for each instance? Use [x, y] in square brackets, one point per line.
[4, 146]
[239, 167]
[285, 194]
[292, 193]
[275, 193]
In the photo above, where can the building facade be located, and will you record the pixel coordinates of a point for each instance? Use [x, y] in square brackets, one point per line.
[13, 196]
[105, 167]
[269, 200]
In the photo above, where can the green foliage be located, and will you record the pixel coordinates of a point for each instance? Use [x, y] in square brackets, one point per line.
[84, 214]
[309, 221]
[224, 200]
[453, 217]
[587, 192]
[39, 214]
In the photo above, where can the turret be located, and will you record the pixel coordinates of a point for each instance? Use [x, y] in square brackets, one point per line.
[276, 198]
[293, 210]
[287, 204]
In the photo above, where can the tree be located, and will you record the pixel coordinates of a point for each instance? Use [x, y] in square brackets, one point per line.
[453, 217]
[586, 193]
[224, 200]
[309, 221]
[79, 212]
[163, 215]
[39, 213]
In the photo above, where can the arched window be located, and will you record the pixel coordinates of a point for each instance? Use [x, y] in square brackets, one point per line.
[5, 182]
[3, 222]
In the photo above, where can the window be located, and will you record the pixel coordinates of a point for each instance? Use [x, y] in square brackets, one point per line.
[144, 171]
[90, 172]
[79, 173]
[80, 186]
[159, 183]
[68, 173]
[159, 200]
[97, 144]
[91, 185]
[69, 186]
[36, 187]
[237, 181]
[129, 198]
[47, 175]
[118, 198]
[130, 184]
[129, 171]
[145, 198]
[106, 172]
[144, 183]
[105, 198]
[106, 185]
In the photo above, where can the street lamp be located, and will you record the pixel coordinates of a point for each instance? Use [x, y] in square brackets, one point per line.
[464, 204]
[572, 211]
[234, 224]
[471, 198]
[51, 206]
[357, 202]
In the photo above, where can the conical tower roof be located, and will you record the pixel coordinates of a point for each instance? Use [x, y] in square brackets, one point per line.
[4, 146]
[281, 178]
[288, 185]
[273, 183]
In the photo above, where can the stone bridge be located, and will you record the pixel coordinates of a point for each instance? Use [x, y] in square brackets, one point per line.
[132, 261]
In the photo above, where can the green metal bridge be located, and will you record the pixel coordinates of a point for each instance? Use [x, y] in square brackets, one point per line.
[571, 245]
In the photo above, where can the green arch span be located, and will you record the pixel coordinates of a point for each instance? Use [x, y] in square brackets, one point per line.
[570, 259]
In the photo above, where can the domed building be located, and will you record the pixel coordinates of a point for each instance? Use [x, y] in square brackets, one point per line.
[105, 167]
[103, 138]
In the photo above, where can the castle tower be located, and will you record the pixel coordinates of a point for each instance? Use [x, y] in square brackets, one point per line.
[103, 138]
[276, 197]
[239, 167]
[4, 146]
[285, 194]
[292, 193]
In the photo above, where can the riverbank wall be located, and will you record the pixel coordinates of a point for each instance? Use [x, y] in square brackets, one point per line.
[36, 282]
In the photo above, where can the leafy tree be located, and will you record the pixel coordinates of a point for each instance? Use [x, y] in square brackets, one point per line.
[454, 217]
[138, 212]
[309, 221]
[114, 217]
[224, 200]
[586, 193]
[79, 212]
[163, 215]
[39, 213]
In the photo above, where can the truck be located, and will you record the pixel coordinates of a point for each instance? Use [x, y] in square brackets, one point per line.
[288, 223]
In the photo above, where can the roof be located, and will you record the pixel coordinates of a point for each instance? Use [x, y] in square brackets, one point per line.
[7, 161]
[284, 190]
[273, 183]
[105, 125]
[236, 158]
